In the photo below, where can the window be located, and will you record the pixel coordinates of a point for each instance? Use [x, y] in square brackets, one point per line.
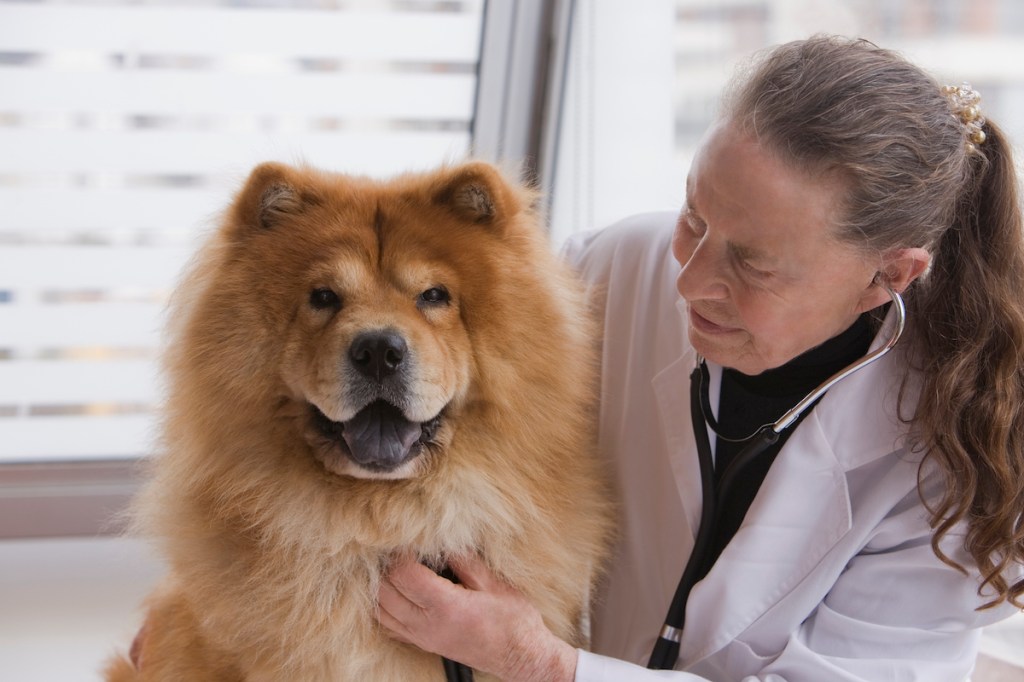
[124, 129]
[644, 78]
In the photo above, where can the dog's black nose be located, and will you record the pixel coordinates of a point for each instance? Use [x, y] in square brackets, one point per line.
[378, 354]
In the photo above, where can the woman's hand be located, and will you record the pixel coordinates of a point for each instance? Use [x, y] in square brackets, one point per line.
[483, 623]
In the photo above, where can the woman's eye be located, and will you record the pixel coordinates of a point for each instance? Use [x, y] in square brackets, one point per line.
[322, 299]
[435, 296]
[750, 269]
[696, 226]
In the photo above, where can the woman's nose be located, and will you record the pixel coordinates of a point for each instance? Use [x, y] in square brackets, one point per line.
[702, 274]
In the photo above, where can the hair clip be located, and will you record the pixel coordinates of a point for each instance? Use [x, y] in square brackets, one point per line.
[966, 104]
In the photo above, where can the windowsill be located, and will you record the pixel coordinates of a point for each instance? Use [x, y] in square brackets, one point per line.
[65, 499]
[70, 603]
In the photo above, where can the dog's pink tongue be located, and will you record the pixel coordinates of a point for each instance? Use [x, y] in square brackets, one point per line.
[380, 436]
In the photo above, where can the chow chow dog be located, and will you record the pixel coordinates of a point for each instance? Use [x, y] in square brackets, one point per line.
[359, 369]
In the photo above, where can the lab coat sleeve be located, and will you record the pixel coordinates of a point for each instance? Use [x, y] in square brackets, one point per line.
[593, 668]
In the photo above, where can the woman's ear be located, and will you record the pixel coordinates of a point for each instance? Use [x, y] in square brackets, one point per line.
[902, 266]
[897, 271]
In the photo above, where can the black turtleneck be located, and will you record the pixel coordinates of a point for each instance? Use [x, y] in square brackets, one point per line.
[748, 402]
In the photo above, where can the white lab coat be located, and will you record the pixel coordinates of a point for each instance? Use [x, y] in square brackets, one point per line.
[831, 575]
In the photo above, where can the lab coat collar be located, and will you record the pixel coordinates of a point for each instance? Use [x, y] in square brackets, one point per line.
[861, 414]
[672, 388]
[802, 509]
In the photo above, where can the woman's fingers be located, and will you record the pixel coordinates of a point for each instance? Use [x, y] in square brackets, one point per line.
[415, 604]
[474, 573]
[395, 610]
[483, 622]
[414, 582]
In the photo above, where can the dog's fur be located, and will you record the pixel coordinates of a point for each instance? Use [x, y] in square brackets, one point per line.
[276, 537]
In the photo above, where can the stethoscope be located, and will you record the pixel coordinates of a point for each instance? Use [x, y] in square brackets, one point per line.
[666, 648]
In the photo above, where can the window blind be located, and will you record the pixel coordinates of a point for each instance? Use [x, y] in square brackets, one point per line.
[125, 127]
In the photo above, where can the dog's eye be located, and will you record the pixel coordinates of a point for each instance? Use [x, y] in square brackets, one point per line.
[321, 299]
[435, 296]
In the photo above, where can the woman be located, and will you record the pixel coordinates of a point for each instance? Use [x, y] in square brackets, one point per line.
[883, 529]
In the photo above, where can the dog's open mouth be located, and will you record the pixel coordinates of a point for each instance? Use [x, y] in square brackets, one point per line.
[379, 437]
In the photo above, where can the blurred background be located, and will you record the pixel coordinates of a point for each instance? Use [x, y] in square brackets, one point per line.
[126, 125]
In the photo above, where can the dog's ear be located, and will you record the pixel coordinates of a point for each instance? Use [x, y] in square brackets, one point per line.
[270, 196]
[476, 192]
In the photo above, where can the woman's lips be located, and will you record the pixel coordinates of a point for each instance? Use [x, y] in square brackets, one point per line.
[706, 326]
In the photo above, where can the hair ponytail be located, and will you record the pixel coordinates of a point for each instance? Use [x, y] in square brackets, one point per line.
[970, 343]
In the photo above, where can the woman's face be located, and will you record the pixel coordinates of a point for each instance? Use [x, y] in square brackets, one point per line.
[763, 276]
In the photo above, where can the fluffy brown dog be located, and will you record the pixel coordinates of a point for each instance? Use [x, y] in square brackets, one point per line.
[359, 369]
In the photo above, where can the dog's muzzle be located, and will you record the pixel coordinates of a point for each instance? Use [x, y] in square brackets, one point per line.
[379, 437]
